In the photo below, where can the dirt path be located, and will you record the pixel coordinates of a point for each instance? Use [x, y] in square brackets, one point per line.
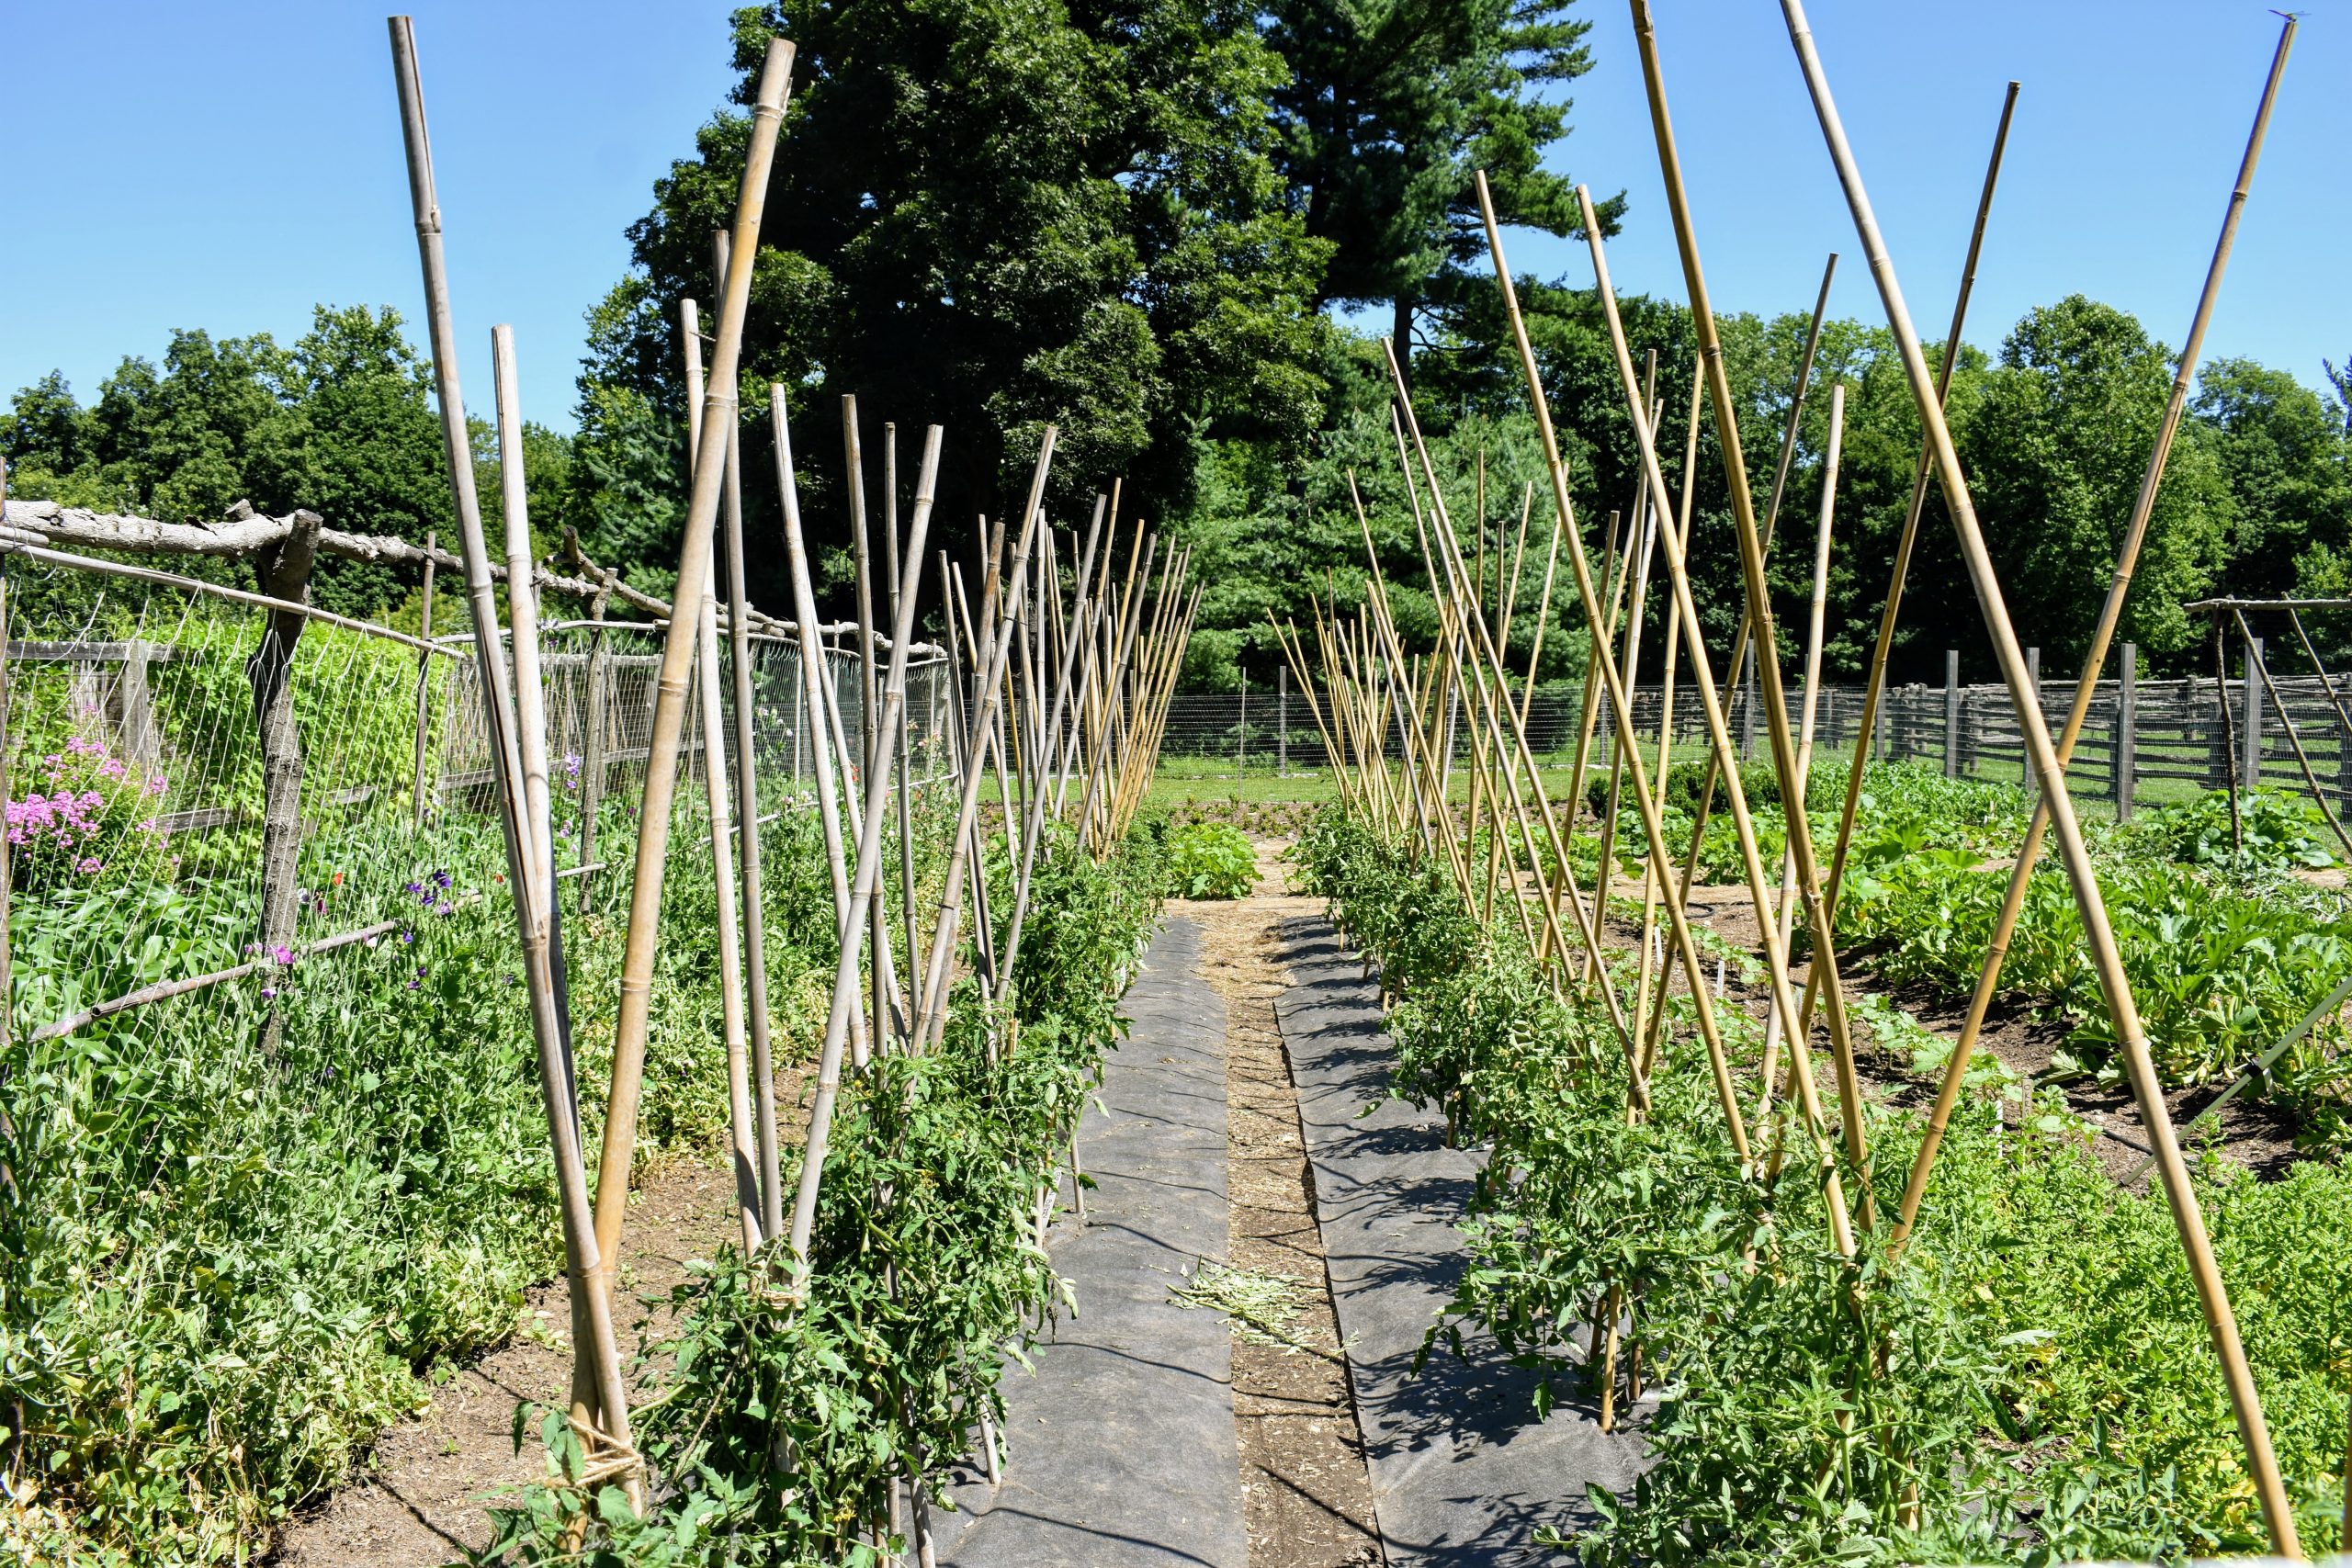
[1306, 1492]
[419, 1503]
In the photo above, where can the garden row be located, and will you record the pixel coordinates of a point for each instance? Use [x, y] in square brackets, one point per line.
[2029, 1380]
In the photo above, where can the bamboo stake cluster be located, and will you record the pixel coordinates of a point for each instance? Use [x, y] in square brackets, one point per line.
[1392, 718]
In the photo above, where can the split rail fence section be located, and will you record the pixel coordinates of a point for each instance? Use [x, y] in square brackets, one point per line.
[2140, 737]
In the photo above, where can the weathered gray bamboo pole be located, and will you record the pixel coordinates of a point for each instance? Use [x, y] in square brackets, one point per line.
[718, 417]
[2287, 722]
[423, 692]
[931, 1007]
[743, 1153]
[523, 611]
[755, 927]
[1052, 741]
[2179, 1190]
[816, 678]
[845, 1001]
[2095, 658]
[891, 566]
[597, 1358]
[871, 738]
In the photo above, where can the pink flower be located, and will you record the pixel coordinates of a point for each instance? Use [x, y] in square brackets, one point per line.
[89, 866]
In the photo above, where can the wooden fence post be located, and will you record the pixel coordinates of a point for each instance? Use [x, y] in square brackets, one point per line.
[591, 744]
[1747, 717]
[284, 572]
[1241, 731]
[2127, 719]
[2250, 764]
[1951, 713]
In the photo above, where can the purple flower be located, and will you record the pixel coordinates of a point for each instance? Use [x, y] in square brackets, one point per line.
[413, 985]
[267, 992]
[441, 879]
[89, 866]
[411, 886]
[443, 908]
[283, 954]
[157, 785]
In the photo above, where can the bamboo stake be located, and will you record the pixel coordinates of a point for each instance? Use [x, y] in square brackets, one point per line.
[599, 1349]
[931, 1009]
[871, 739]
[815, 682]
[891, 570]
[1785, 914]
[717, 418]
[770, 1182]
[1621, 709]
[744, 1160]
[845, 1001]
[2094, 661]
[2294, 740]
[2180, 1192]
[1759, 617]
[1051, 737]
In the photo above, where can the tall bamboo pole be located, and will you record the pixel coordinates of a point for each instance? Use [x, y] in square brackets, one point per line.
[1786, 914]
[892, 572]
[931, 1006]
[2180, 1192]
[718, 417]
[585, 1256]
[1760, 618]
[744, 1161]
[871, 737]
[1621, 710]
[2094, 659]
[845, 1001]
[755, 927]
[815, 682]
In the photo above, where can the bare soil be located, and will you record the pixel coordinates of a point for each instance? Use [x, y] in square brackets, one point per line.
[421, 1499]
[1307, 1495]
[2259, 1136]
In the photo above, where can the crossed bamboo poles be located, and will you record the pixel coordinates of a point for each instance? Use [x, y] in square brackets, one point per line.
[1375, 690]
[1068, 683]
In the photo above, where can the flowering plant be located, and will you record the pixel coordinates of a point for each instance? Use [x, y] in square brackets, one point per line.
[87, 808]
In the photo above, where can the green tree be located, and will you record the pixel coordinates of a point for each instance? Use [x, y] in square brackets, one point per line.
[989, 216]
[2283, 453]
[2054, 450]
[1391, 108]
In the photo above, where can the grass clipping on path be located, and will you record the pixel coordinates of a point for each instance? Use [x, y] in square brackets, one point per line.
[1261, 1306]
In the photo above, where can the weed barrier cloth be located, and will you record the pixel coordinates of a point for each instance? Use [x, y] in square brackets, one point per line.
[2029, 1382]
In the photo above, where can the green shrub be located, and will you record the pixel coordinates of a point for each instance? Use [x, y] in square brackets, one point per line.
[1209, 860]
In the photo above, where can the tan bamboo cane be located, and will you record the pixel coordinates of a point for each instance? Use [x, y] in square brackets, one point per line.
[883, 988]
[743, 1151]
[845, 1003]
[1507, 596]
[986, 755]
[2095, 659]
[1496, 709]
[1543, 619]
[1170, 661]
[1139, 553]
[1133, 774]
[1646, 1011]
[1645, 527]
[2179, 1190]
[596, 1356]
[1295, 656]
[718, 416]
[1621, 710]
[1418, 773]
[1786, 913]
[1759, 616]
[1874, 682]
[1094, 803]
[931, 1007]
[1456, 651]
[816, 681]
[1134, 674]
[1736, 669]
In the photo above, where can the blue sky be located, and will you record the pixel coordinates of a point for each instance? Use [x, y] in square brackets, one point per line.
[226, 166]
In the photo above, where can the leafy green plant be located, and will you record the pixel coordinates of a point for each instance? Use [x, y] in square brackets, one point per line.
[2278, 831]
[1209, 860]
